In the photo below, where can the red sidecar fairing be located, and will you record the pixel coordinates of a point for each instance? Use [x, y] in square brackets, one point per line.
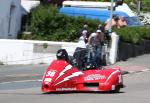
[61, 76]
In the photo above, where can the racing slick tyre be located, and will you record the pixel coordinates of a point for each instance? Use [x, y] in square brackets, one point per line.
[117, 90]
[104, 60]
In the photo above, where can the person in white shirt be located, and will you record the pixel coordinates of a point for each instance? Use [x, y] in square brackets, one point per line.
[95, 42]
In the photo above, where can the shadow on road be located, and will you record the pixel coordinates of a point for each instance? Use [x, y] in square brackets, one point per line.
[83, 92]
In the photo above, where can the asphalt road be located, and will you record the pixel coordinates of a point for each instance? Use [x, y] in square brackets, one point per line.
[10, 73]
[137, 90]
[21, 84]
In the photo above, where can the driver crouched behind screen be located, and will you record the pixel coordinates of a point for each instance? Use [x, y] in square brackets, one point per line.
[80, 52]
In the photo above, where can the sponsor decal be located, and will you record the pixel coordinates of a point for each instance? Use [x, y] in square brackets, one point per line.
[49, 75]
[62, 89]
[47, 79]
[94, 77]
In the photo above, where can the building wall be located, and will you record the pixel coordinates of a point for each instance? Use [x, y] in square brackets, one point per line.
[31, 52]
[10, 18]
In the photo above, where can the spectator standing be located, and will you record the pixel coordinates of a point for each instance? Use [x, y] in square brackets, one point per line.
[95, 41]
[122, 22]
[85, 30]
[114, 22]
[101, 27]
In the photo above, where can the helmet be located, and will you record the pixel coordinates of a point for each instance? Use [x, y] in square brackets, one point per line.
[62, 54]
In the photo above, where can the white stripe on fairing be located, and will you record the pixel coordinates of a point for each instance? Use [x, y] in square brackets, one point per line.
[112, 75]
[68, 67]
[70, 76]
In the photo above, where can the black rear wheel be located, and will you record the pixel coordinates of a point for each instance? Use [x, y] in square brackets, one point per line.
[117, 89]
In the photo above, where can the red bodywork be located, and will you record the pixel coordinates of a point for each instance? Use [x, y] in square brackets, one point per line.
[61, 77]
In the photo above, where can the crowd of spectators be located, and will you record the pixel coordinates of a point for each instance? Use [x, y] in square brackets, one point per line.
[90, 44]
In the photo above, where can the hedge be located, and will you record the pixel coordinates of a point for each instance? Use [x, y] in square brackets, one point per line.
[46, 23]
[133, 34]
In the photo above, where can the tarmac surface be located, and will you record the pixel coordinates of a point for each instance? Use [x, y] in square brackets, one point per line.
[10, 73]
[22, 84]
[137, 64]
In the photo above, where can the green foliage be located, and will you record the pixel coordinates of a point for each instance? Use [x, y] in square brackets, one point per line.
[133, 34]
[48, 24]
[145, 4]
[145, 32]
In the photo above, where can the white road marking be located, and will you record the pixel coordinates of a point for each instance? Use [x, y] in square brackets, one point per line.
[39, 80]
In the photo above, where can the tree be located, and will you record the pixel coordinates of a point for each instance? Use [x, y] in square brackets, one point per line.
[138, 3]
[54, 2]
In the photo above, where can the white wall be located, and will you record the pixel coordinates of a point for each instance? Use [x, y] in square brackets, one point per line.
[10, 18]
[22, 51]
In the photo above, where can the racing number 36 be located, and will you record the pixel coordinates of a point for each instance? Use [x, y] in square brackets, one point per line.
[51, 73]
